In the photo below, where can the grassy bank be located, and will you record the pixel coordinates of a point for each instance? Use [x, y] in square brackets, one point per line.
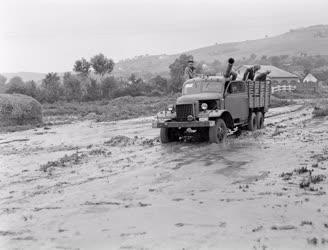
[107, 110]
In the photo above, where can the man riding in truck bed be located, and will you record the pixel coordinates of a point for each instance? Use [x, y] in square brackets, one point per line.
[262, 76]
[250, 72]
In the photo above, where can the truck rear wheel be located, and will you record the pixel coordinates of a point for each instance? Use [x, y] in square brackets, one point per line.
[168, 135]
[218, 133]
[252, 122]
[259, 120]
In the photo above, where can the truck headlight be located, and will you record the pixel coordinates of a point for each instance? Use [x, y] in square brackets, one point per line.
[204, 106]
[170, 108]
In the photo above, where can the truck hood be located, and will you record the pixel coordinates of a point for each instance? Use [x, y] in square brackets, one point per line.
[196, 97]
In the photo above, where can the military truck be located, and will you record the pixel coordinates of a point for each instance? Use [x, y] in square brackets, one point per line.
[211, 107]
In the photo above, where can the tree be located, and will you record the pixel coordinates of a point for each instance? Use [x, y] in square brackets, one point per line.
[132, 78]
[72, 87]
[3, 80]
[275, 61]
[51, 88]
[108, 86]
[321, 73]
[31, 89]
[82, 66]
[159, 83]
[90, 89]
[177, 71]
[101, 64]
[16, 85]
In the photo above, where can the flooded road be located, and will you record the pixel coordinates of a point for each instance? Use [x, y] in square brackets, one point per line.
[112, 185]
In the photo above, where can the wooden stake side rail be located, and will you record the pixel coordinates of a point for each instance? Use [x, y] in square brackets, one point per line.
[259, 94]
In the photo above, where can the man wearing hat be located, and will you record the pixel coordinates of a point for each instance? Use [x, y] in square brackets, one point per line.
[250, 72]
[189, 72]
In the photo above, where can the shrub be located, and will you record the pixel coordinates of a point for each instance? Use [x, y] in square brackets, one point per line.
[320, 111]
[17, 109]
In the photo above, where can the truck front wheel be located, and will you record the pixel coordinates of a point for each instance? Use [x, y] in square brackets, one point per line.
[168, 135]
[218, 133]
[252, 124]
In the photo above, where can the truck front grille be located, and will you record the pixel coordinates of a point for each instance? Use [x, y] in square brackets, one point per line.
[183, 110]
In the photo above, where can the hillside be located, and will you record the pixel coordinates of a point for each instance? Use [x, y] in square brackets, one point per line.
[26, 76]
[312, 40]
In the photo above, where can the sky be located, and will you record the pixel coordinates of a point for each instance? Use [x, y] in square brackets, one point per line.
[49, 35]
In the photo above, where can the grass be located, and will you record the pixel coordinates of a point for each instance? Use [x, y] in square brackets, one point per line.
[120, 108]
[278, 102]
[299, 95]
[109, 110]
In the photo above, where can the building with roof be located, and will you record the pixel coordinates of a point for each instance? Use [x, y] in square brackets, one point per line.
[277, 76]
[309, 78]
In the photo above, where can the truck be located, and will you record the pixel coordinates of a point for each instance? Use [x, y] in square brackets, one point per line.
[211, 107]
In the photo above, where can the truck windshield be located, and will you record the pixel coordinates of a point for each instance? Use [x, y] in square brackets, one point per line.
[202, 87]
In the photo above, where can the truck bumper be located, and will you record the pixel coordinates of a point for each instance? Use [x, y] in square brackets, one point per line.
[175, 124]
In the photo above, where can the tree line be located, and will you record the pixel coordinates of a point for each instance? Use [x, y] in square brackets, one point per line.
[92, 80]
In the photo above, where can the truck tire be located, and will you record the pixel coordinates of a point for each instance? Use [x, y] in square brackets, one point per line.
[259, 120]
[252, 122]
[218, 133]
[168, 135]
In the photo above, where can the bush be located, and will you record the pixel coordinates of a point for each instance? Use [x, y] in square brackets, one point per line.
[17, 109]
[320, 110]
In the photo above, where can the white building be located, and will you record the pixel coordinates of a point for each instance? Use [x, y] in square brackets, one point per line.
[310, 78]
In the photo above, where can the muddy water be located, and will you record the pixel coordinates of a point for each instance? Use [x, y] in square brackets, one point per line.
[114, 186]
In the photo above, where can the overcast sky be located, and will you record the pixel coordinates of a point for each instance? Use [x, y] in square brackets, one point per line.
[49, 35]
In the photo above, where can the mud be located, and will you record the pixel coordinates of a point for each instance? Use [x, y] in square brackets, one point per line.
[106, 185]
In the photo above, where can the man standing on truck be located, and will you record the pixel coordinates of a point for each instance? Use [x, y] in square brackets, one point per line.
[189, 72]
[250, 72]
[262, 76]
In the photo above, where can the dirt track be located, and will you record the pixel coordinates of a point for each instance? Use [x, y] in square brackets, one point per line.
[119, 188]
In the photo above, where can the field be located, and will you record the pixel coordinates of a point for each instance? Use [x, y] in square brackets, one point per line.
[117, 109]
[108, 110]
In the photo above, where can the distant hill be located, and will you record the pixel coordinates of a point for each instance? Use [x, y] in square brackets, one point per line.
[26, 76]
[311, 40]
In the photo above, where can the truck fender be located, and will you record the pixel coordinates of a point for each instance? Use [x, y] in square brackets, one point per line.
[225, 115]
